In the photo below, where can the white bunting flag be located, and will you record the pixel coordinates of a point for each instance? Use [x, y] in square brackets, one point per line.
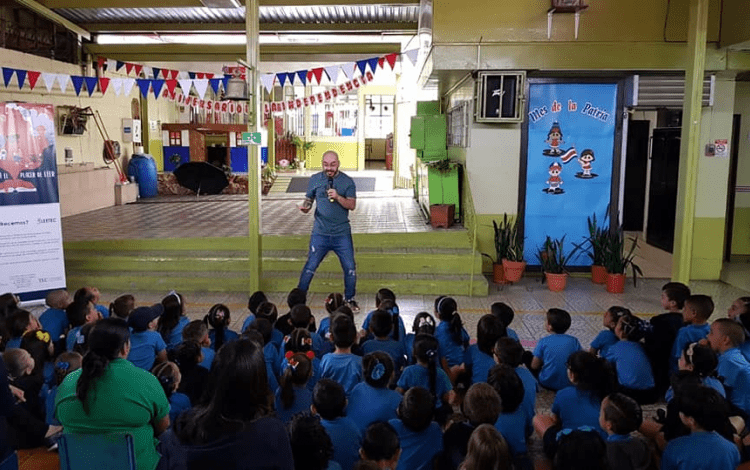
[63, 80]
[333, 72]
[147, 71]
[185, 84]
[201, 84]
[111, 65]
[49, 81]
[412, 55]
[267, 81]
[127, 86]
[116, 85]
[348, 69]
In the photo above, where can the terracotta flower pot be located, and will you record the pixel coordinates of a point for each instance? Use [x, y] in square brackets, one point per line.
[598, 274]
[556, 282]
[498, 274]
[615, 283]
[513, 270]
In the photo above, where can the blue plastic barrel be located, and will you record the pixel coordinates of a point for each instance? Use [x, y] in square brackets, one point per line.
[143, 169]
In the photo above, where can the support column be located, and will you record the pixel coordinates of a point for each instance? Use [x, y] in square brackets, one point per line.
[690, 146]
[255, 254]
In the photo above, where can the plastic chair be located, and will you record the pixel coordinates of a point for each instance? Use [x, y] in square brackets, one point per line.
[96, 451]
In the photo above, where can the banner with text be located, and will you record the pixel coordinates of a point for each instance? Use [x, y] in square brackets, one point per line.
[31, 258]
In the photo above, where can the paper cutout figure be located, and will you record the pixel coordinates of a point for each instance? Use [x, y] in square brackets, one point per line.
[554, 182]
[587, 156]
[554, 140]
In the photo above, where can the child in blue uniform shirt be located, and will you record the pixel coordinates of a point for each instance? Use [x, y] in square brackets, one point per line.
[381, 446]
[424, 323]
[173, 320]
[147, 347]
[703, 448]
[512, 420]
[197, 331]
[607, 337]
[451, 335]
[92, 295]
[510, 352]
[299, 341]
[725, 337]
[255, 299]
[292, 395]
[381, 327]
[65, 363]
[385, 299]
[634, 373]
[79, 313]
[695, 314]
[19, 323]
[332, 303]
[301, 317]
[478, 358]
[269, 312]
[329, 401]
[341, 365]
[54, 319]
[421, 438]
[505, 314]
[372, 400]
[260, 330]
[219, 319]
[426, 373]
[699, 361]
[620, 416]
[552, 352]
[169, 377]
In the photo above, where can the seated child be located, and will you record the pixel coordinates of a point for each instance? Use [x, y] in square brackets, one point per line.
[122, 306]
[79, 312]
[703, 448]
[578, 405]
[312, 448]
[487, 448]
[634, 374]
[169, 377]
[65, 363]
[295, 297]
[421, 438]
[173, 320]
[274, 365]
[739, 306]
[725, 337]
[662, 331]
[329, 401]
[218, 319]
[372, 400]
[18, 323]
[744, 320]
[424, 323]
[510, 352]
[607, 337]
[332, 302]
[451, 335]
[579, 449]
[146, 345]
[505, 314]
[381, 326]
[341, 365]
[187, 355]
[92, 295]
[268, 312]
[699, 361]
[300, 316]
[292, 395]
[54, 320]
[197, 331]
[300, 341]
[621, 416]
[255, 299]
[380, 444]
[20, 365]
[695, 313]
[478, 358]
[385, 299]
[512, 420]
[426, 373]
[552, 352]
[39, 344]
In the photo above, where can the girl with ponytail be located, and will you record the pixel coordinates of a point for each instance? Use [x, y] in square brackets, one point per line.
[426, 373]
[218, 319]
[85, 399]
[169, 377]
[173, 320]
[372, 400]
[300, 341]
[451, 335]
[292, 396]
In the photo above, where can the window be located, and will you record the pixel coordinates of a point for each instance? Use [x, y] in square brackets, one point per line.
[379, 116]
[175, 138]
[458, 125]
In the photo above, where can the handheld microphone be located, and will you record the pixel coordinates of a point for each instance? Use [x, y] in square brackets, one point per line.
[330, 186]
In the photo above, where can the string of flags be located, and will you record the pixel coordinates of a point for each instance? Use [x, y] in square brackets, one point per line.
[200, 81]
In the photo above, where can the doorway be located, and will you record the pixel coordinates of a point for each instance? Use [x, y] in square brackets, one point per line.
[636, 169]
[379, 122]
[662, 199]
[734, 145]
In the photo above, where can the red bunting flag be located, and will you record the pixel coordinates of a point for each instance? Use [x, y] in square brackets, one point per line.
[381, 61]
[309, 76]
[33, 77]
[391, 58]
[199, 75]
[103, 84]
[209, 76]
[128, 67]
[138, 68]
[173, 74]
[170, 85]
[318, 74]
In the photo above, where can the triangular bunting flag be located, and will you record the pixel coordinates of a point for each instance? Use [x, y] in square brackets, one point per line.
[391, 59]
[157, 85]
[21, 74]
[49, 81]
[138, 68]
[7, 75]
[183, 74]
[290, 76]
[127, 86]
[373, 63]
[302, 74]
[185, 84]
[332, 72]
[77, 83]
[200, 84]
[173, 74]
[128, 68]
[100, 62]
[318, 74]
[119, 66]
[362, 66]
[170, 85]
[267, 81]
[157, 71]
[146, 71]
[63, 80]
[225, 80]
[144, 84]
[111, 65]
[348, 69]
[214, 82]
[412, 55]
[209, 76]
[90, 84]
[381, 61]
[191, 75]
[33, 77]
[103, 84]
[310, 76]
[200, 75]
[117, 86]
[282, 78]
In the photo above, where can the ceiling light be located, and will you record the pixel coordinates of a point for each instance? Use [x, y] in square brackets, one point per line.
[220, 3]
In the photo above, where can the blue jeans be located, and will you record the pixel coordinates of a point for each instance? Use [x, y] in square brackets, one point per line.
[320, 245]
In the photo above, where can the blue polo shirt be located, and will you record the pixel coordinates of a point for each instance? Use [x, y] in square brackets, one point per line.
[686, 335]
[479, 362]
[250, 318]
[346, 440]
[144, 346]
[175, 336]
[229, 335]
[700, 451]
[70, 340]
[178, 403]
[55, 321]
[512, 334]
[418, 375]
[302, 402]
[393, 348]
[577, 408]
[368, 404]
[401, 328]
[530, 386]
[603, 341]
[554, 351]
[345, 369]
[710, 382]
[513, 428]
[315, 375]
[418, 448]
[330, 217]
[632, 366]
[736, 372]
[448, 348]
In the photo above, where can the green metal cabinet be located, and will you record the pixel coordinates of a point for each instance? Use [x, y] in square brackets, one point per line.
[439, 186]
[428, 137]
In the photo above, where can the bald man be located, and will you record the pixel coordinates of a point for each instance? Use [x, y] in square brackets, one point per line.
[335, 195]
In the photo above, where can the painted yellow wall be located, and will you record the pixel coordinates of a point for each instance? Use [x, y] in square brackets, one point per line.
[346, 147]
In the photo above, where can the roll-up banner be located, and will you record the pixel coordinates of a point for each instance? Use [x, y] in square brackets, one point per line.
[31, 251]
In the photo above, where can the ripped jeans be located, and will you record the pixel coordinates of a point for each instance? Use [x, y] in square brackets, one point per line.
[320, 245]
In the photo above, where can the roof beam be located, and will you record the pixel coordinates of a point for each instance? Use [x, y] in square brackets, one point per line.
[229, 53]
[399, 28]
[54, 17]
[197, 3]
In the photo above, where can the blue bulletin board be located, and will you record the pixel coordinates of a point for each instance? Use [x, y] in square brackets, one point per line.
[570, 161]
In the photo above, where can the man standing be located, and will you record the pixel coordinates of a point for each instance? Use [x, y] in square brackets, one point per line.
[335, 195]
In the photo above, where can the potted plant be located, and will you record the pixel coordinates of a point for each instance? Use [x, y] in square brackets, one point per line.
[267, 177]
[302, 146]
[597, 249]
[513, 262]
[617, 259]
[502, 241]
[554, 261]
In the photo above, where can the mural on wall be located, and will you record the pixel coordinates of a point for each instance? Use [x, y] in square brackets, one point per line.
[564, 186]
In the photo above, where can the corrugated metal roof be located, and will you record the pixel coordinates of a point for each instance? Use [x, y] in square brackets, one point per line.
[326, 14]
